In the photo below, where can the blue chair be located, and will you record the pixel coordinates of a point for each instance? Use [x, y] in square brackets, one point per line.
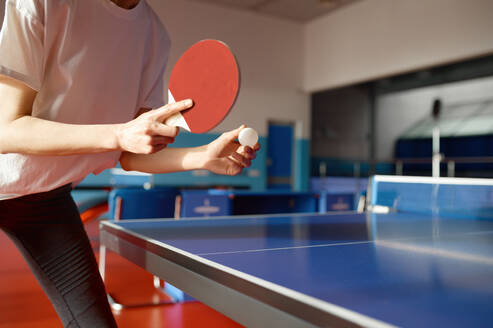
[330, 202]
[140, 203]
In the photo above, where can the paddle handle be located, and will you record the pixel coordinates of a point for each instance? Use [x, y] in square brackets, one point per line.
[176, 119]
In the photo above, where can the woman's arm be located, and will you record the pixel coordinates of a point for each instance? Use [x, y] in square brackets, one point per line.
[22, 133]
[166, 161]
[222, 156]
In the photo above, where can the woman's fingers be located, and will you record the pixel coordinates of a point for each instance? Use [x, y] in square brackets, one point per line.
[240, 159]
[159, 140]
[248, 152]
[159, 129]
[162, 113]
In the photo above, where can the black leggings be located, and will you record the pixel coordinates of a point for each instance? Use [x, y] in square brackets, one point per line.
[47, 229]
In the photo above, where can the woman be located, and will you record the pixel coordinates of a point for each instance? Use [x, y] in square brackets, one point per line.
[77, 82]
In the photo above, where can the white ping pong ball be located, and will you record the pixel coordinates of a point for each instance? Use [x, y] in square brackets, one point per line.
[248, 137]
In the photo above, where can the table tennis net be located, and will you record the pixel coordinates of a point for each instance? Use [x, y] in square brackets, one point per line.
[442, 199]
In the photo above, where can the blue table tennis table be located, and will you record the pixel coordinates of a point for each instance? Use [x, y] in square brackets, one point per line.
[432, 267]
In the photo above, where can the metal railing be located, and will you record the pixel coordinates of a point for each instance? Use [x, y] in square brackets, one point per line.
[399, 163]
[449, 161]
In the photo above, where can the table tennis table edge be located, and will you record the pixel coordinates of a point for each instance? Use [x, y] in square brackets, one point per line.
[157, 257]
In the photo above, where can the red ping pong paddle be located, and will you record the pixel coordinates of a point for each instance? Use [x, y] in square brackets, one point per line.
[208, 74]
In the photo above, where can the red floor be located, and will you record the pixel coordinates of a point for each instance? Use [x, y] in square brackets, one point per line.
[24, 305]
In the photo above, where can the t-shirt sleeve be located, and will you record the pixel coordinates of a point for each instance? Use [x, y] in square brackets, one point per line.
[153, 83]
[21, 44]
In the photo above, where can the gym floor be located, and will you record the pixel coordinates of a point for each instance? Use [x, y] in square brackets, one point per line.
[127, 282]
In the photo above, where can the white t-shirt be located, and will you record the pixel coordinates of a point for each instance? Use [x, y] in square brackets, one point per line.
[91, 62]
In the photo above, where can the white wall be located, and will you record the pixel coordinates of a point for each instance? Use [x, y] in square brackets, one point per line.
[269, 52]
[377, 38]
[397, 112]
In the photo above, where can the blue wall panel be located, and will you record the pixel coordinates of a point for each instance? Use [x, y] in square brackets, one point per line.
[253, 178]
[302, 165]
